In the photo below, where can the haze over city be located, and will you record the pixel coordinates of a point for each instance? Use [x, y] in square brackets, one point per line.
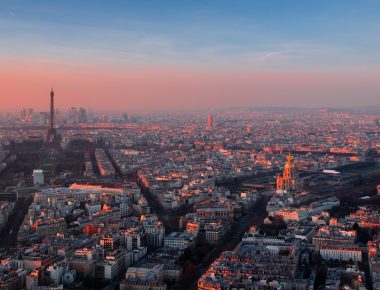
[189, 145]
[151, 55]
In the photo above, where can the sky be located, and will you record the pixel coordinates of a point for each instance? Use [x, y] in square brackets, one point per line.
[189, 55]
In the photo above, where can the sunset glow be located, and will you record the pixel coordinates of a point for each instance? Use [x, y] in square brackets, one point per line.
[195, 57]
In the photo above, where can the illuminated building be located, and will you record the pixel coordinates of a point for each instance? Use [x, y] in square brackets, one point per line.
[210, 121]
[110, 242]
[341, 253]
[288, 214]
[289, 181]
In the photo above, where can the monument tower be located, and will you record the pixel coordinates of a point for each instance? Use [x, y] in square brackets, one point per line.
[51, 137]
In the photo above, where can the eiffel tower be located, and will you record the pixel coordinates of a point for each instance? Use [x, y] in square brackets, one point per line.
[51, 137]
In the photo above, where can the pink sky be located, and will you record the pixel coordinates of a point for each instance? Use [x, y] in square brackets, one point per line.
[112, 87]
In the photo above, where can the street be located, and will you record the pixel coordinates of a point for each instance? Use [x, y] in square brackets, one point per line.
[233, 237]
[9, 232]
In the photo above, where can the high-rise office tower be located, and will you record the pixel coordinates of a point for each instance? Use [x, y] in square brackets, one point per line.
[125, 117]
[73, 115]
[30, 112]
[210, 121]
[82, 115]
[23, 114]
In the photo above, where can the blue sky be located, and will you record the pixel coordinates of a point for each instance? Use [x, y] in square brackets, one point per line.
[263, 34]
[191, 53]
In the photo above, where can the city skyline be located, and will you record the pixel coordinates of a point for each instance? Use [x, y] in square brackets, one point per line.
[189, 145]
[190, 56]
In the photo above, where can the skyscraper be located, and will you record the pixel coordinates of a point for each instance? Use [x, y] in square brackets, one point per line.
[82, 115]
[51, 137]
[73, 115]
[23, 114]
[125, 117]
[210, 121]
